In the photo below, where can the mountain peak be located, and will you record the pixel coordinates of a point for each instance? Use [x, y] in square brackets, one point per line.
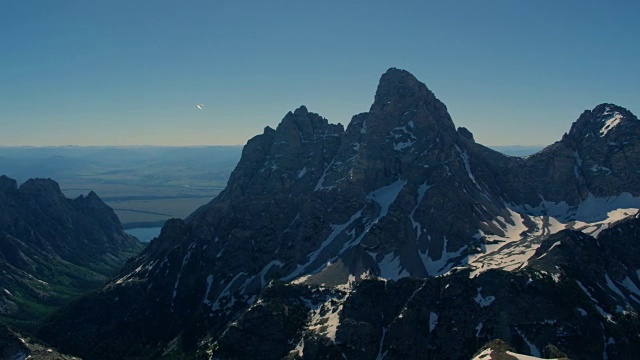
[7, 183]
[302, 110]
[399, 92]
[604, 120]
[41, 186]
[396, 85]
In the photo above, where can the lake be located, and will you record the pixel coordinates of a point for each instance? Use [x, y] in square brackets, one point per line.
[144, 234]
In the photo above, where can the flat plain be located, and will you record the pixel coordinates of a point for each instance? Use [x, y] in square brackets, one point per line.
[144, 185]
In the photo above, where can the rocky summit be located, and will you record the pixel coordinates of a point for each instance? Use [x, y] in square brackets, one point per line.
[398, 237]
[53, 248]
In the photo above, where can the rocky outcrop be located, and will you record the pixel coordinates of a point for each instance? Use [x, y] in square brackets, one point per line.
[399, 193]
[14, 345]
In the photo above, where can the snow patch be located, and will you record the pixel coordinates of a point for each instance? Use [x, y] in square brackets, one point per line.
[433, 321]
[582, 311]
[320, 184]
[386, 195]
[266, 269]
[302, 172]
[483, 301]
[422, 190]
[511, 250]
[226, 292]
[363, 129]
[185, 260]
[532, 348]
[629, 285]
[598, 168]
[337, 229]
[596, 304]
[610, 122]
[465, 159]
[390, 267]
[206, 293]
[444, 263]
[325, 318]
[402, 132]
[613, 286]
[479, 328]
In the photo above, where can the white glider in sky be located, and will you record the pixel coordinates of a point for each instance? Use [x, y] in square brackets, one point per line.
[200, 106]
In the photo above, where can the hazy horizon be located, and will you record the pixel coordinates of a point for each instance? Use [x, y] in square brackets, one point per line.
[123, 74]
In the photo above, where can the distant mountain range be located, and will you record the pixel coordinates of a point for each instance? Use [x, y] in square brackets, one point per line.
[65, 162]
[398, 237]
[27, 161]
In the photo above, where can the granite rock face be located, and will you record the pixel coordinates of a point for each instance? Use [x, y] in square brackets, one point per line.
[400, 193]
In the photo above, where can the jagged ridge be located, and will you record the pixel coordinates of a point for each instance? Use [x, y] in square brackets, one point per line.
[53, 248]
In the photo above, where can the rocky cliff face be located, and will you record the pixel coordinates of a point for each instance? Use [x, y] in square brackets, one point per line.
[53, 248]
[399, 193]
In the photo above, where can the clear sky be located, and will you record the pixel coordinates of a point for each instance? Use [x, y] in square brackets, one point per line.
[93, 72]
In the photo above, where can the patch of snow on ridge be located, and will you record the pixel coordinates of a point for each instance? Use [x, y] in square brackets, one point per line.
[266, 269]
[511, 232]
[390, 267]
[483, 301]
[532, 348]
[185, 260]
[598, 168]
[465, 158]
[433, 321]
[302, 172]
[403, 145]
[325, 318]
[422, 190]
[511, 250]
[628, 283]
[363, 130]
[594, 229]
[577, 164]
[444, 263]
[610, 122]
[320, 183]
[383, 197]
[337, 229]
[400, 132]
[479, 328]
[596, 304]
[386, 195]
[590, 210]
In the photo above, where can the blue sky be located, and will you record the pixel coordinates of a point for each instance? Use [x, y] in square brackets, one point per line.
[130, 72]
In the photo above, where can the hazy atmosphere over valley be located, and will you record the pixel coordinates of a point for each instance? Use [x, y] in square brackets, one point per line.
[319, 180]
